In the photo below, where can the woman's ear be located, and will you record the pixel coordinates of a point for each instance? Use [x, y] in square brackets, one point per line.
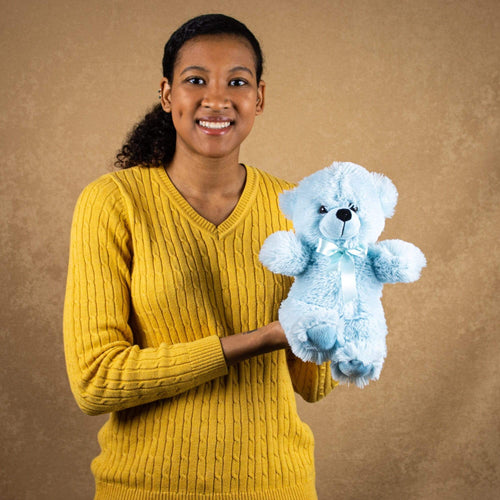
[260, 97]
[165, 95]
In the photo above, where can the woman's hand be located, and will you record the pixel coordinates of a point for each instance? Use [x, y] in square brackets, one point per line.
[245, 345]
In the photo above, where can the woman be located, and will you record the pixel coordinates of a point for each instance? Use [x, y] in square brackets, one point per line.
[163, 278]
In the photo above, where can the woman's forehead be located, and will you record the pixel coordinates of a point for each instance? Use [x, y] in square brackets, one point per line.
[220, 49]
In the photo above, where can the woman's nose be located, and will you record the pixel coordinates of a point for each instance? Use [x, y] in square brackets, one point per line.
[215, 97]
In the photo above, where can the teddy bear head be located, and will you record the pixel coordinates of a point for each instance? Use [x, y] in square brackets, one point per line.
[342, 203]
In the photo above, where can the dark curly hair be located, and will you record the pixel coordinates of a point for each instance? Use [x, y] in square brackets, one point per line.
[152, 141]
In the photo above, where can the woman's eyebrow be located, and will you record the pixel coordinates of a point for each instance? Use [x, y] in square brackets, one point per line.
[241, 68]
[194, 68]
[201, 68]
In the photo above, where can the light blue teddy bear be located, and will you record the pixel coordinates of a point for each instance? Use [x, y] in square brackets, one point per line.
[333, 310]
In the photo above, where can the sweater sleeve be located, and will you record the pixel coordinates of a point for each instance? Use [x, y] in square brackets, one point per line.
[313, 382]
[107, 370]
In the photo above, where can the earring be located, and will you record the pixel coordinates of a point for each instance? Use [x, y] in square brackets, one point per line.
[159, 93]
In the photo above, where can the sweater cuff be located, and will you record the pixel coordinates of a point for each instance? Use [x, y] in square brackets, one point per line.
[207, 359]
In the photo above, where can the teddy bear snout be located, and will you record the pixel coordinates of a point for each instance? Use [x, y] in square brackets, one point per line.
[344, 214]
[340, 223]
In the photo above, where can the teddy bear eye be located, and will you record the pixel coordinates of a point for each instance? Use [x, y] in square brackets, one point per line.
[353, 207]
[323, 210]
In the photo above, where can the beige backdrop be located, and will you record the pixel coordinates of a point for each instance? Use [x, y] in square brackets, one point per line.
[407, 88]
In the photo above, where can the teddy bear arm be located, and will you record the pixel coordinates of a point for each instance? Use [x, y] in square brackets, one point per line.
[396, 261]
[283, 253]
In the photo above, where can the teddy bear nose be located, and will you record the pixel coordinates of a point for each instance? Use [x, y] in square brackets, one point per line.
[344, 214]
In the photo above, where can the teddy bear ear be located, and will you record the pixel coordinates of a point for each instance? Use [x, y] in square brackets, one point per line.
[287, 202]
[387, 192]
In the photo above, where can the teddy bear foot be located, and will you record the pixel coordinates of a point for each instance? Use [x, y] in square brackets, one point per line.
[354, 371]
[316, 344]
[356, 368]
[323, 337]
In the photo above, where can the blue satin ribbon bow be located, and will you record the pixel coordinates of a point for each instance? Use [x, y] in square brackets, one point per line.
[343, 258]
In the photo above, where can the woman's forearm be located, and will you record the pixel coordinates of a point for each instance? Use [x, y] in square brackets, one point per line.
[245, 345]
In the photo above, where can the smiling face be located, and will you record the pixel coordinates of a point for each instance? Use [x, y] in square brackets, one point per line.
[214, 96]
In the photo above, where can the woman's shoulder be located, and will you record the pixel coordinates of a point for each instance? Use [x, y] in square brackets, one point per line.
[110, 190]
[118, 180]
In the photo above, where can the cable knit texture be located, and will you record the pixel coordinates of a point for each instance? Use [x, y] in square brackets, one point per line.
[152, 286]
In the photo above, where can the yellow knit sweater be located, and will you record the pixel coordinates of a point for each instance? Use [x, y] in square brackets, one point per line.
[151, 287]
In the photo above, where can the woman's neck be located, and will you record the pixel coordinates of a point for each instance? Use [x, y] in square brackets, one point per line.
[207, 177]
[212, 186]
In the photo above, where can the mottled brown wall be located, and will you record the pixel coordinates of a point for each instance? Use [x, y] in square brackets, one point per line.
[407, 88]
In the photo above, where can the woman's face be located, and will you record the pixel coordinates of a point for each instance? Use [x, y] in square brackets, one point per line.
[214, 95]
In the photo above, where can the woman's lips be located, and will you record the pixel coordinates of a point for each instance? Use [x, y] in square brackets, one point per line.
[214, 127]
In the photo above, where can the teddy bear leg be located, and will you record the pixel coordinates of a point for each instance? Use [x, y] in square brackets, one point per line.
[312, 332]
[361, 358]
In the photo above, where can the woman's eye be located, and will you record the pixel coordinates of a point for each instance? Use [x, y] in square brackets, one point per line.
[237, 82]
[323, 210]
[353, 207]
[195, 80]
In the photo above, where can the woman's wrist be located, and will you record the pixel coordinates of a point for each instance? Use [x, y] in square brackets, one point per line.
[274, 336]
[245, 345]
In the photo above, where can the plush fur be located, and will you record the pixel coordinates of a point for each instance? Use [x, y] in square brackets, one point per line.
[325, 316]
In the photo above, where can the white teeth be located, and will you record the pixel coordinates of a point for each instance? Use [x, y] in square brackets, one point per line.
[215, 125]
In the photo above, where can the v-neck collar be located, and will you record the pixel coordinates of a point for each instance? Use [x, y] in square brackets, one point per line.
[228, 224]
